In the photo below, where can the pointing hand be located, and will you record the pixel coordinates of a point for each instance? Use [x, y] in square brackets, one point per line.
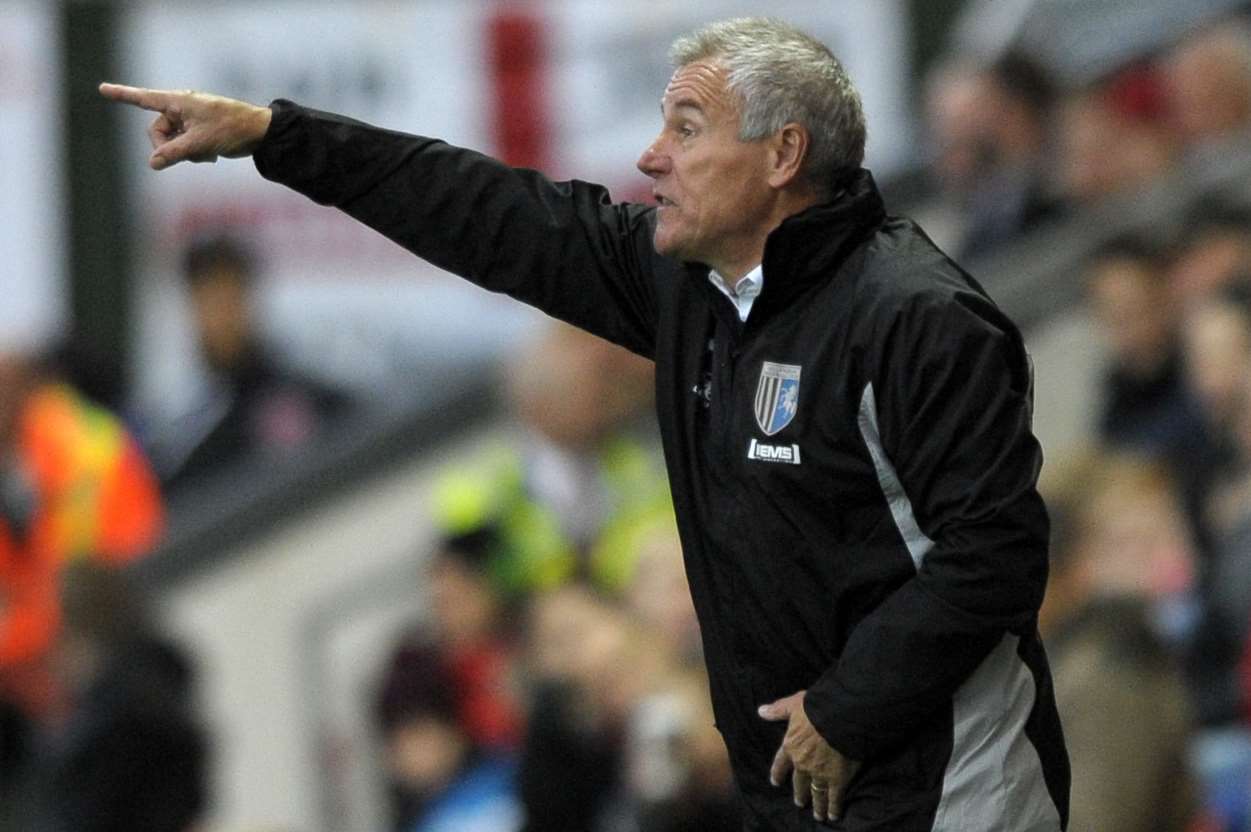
[194, 126]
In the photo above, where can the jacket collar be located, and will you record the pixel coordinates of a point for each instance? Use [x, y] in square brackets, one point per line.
[807, 247]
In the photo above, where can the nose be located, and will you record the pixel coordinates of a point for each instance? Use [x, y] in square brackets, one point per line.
[653, 162]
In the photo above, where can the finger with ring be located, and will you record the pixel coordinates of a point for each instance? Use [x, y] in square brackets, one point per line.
[820, 801]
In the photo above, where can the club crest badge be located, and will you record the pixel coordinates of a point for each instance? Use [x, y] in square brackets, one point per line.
[777, 396]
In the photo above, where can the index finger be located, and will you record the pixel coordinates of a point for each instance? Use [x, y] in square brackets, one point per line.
[155, 100]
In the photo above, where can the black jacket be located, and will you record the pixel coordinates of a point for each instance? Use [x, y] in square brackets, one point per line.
[853, 468]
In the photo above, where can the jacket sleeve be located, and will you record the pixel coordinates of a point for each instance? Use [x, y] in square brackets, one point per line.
[562, 247]
[949, 401]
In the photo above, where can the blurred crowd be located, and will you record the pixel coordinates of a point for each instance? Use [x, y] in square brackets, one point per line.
[572, 692]
[1013, 146]
[555, 681]
[1149, 604]
[98, 724]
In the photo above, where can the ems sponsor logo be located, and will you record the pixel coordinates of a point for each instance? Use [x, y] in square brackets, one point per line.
[773, 453]
[777, 396]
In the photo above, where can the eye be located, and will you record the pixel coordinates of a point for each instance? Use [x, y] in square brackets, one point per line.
[686, 131]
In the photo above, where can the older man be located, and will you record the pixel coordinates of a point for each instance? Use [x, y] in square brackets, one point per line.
[846, 418]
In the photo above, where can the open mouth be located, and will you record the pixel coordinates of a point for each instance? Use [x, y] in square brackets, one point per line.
[663, 202]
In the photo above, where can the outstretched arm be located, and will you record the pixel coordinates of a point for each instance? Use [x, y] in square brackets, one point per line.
[562, 247]
[194, 126]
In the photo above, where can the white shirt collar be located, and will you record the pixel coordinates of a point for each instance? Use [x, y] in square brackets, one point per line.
[744, 291]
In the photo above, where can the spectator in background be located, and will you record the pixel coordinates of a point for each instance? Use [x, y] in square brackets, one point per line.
[990, 125]
[619, 735]
[441, 780]
[622, 734]
[1117, 537]
[591, 666]
[1217, 339]
[468, 621]
[568, 496]
[677, 772]
[1230, 504]
[74, 486]
[1208, 78]
[1222, 329]
[255, 406]
[1148, 404]
[1114, 137]
[659, 596]
[1215, 252]
[130, 754]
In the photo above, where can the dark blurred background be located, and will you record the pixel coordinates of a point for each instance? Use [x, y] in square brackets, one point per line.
[299, 533]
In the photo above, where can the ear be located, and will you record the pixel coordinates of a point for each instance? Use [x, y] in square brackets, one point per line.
[787, 152]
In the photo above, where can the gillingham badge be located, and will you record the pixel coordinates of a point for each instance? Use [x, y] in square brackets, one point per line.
[777, 396]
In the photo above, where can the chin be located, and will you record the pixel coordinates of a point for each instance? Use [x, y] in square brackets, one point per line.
[667, 246]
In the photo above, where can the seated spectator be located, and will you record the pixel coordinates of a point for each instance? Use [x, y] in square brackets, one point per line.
[659, 597]
[990, 125]
[591, 666]
[440, 779]
[678, 776]
[256, 406]
[1117, 546]
[568, 495]
[468, 622]
[1215, 252]
[1113, 138]
[621, 734]
[130, 754]
[1148, 405]
[1227, 625]
[1217, 345]
[73, 486]
[1208, 79]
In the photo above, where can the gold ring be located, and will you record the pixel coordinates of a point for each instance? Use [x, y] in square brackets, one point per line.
[819, 789]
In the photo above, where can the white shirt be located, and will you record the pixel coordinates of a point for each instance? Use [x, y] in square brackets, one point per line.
[744, 292]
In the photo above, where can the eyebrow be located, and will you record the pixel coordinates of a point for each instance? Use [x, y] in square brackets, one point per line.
[683, 104]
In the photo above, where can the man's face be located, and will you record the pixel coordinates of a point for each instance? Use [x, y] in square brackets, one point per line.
[960, 114]
[1135, 313]
[223, 319]
[712, 188]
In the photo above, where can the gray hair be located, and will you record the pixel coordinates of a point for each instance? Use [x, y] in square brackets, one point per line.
[782, 75]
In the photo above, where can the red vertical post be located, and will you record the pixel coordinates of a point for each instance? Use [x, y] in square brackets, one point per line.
[517, 60]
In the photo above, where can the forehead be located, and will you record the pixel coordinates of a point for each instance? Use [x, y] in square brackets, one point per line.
[701, 84]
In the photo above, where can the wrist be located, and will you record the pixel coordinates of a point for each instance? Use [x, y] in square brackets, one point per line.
[260, 118]
[247, 128]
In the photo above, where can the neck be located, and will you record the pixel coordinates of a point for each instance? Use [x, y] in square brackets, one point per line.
[787, 204]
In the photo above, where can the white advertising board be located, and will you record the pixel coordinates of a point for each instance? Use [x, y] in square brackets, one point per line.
[32, 289]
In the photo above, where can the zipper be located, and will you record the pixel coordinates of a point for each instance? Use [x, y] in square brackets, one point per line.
[726, 357]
